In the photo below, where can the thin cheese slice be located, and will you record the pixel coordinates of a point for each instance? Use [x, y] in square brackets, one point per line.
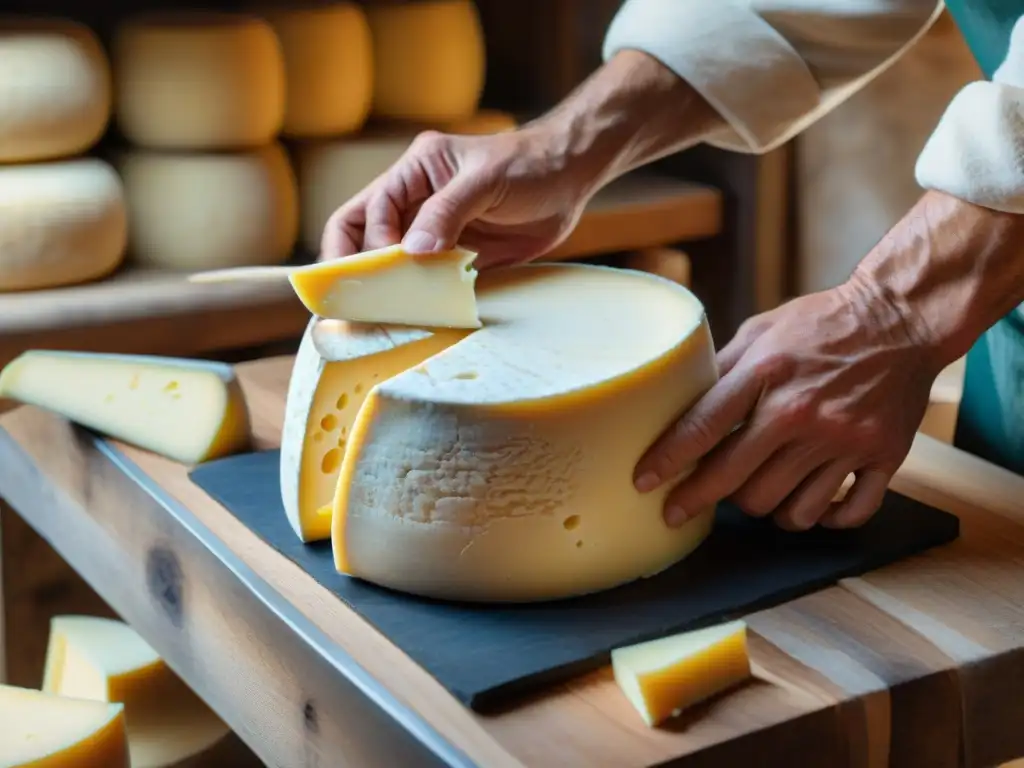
[104, 660]
[498, 465]
[186, 410]
[663, 677]
[388, 285]
[43, 731]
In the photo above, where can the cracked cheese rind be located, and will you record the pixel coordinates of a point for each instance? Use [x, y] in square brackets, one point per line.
[187, 410]
[44, 731]
[499, 468]
[663, 677]
[101, 659]
[388, 285]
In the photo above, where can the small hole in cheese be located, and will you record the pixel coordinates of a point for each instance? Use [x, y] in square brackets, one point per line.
[467, 375]
[318, 437]
[571, 522]
[134, 384]
[109, 398]
[343, 431]
[358, 388]
[331, 461]
[341, 442]
[329, 422]
[579, 543]
[171, 386]
[342, 401]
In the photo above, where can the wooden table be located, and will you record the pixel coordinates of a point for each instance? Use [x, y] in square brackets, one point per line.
[917, 664]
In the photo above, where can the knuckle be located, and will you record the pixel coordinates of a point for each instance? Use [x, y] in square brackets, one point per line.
[753, 502]
[428, 142]
[797, 408]
[776, 367]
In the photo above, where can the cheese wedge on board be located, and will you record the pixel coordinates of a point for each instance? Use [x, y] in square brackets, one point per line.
[663, 677]
[101, 659]
[186, 410]
[391, 286]
[54, 732]
[496, 464]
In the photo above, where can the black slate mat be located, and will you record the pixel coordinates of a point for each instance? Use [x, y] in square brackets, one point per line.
[486, 654]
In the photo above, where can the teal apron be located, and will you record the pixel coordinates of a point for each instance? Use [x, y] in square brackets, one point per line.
[990, 423]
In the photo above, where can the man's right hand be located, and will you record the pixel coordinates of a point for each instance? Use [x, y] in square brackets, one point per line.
[510, 196]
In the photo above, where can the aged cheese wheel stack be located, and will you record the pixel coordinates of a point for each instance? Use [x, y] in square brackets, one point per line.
[201, 98]
[62, 214]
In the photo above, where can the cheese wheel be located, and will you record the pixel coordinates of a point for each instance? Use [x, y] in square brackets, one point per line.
[198, 81]
[210, 211]
[61, 223]
[497, 464]
[331, 172]
[429, 60]
[55, 91]
[328, 55]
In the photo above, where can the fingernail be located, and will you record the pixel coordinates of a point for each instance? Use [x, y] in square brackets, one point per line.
[675, 515]
[646, 482]
[418, 241]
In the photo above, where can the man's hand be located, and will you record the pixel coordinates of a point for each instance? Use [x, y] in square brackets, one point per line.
[826, 385]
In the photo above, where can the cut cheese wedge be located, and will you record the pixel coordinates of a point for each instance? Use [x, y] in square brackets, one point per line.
[186, 410]
[663, 677]
[53, 732]
[388, 285]
[104, 660]
[496, 464]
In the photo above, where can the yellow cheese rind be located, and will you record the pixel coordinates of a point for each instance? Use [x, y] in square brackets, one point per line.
[55, 89]
[198, 80]
[328, 54]
[44, 731]
[187, 410]
[500, 469]
[663, 677]
[105, 660]
[388, 285]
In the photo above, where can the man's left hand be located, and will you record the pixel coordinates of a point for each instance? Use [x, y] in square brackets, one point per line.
[826, 385]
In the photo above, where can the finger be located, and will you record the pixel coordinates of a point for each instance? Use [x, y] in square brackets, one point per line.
[724, 470]
[747, 334]
[861, 502]
[777, 478]
[343, 232]
[443, 216]
[699, 430]
[383, 218]
[802, 509]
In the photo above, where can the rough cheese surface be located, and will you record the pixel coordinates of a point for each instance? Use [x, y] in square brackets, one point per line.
[56, 732]
[198, 80]
[328, 54]
[61, 223]
[55, 89]
[186, 410]
[500, 468]
[197, 211]
[429, 60]
[388, 285]
[663, 677]
[105, 660]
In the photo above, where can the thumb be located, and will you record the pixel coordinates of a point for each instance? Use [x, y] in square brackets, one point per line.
[442, 217]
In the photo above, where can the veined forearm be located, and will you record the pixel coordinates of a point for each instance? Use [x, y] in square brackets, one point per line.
[949, 270]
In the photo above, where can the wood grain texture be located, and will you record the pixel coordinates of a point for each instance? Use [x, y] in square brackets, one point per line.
[914, 664]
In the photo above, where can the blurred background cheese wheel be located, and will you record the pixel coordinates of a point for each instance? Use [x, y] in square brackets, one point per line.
[328, 55]
[195, 211]
[55, 90]
[61, 222]
[429, 60]
[198, 80]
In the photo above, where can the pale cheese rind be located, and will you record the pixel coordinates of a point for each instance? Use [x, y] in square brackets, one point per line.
[664, 677]
[102, 659]
[500, 469]
[44, 731]
[187, 410]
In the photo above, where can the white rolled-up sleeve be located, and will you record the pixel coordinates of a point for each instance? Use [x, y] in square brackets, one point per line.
[771, 68]
[976, 152]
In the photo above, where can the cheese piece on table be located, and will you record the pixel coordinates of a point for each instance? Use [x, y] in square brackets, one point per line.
[328, 55]
[54, 732]
[391, 286]
[210, 210]
[198, 80]
[55, 90]
[499, 468]
[663, 677]
[61, 222]
[429, 60]
[186, 410]
[105, 660]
